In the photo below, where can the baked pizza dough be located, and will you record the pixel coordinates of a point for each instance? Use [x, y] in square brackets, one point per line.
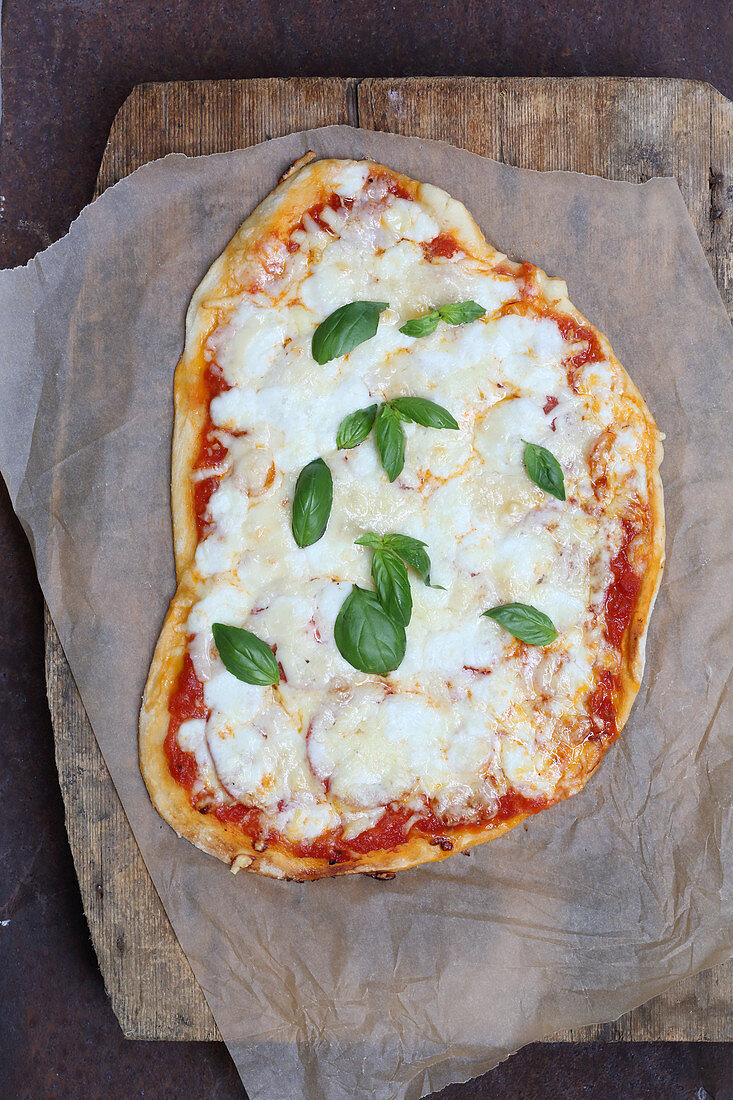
[333, 770]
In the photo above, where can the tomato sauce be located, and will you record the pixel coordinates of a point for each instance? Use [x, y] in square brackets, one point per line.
[328, 846]
[508, 268]
[187, 698]
[618, 609]
[182, 765]
[526, 275]
[388, 833]
[602, 705]
[186, 701]
[316, 212]
[443, 246]
[513, 803]
[394, 187]
[211, 451]
[244, 818]
[623, 590]
[574, 332]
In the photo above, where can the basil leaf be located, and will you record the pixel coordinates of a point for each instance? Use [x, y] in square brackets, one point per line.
[459, 313]
[390, 438]
[524, 622]
[544, 469]
[355, 427]
[389, 574]
[424, 412]
[412, 551]
[369, 539]
[245, 655]
[312, 502]
[345, 329]
[367, 636]
[422, 326]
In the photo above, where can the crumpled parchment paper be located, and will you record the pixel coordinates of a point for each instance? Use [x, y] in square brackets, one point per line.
[354, 987]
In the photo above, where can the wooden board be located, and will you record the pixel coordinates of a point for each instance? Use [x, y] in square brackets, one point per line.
[620, 128]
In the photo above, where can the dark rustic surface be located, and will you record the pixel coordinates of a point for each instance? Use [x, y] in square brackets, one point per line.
[66, 69]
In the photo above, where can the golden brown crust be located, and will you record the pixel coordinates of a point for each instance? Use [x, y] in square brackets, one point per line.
[255, 244]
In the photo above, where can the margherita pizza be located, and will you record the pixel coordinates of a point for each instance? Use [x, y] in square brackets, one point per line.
[418, 531]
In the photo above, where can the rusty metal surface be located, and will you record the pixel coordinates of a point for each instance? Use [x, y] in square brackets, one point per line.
[67, 65]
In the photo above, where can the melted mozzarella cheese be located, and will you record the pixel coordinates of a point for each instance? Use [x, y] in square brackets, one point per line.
[468, 714]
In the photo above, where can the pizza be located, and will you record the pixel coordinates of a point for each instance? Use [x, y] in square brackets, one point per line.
[418, 528]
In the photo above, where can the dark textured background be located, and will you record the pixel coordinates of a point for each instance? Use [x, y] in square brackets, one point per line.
[67, 66]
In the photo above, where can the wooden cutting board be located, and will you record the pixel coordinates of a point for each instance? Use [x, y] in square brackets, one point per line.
[625, 129]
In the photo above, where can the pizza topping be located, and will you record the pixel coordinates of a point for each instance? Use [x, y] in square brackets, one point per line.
[460, 313]
[388, 433]
[392, 584]
[355, 428]
[443, 246]
[183, 765]
[312, 502]
[245, 655]
[544, 469]
[602, 707]
[462, 726]
[187, 701]
[412, 551]
[622, 592]
[345, 329]
[187, 708]
[524, 622]
[418, 410]
[367, 636]
[390, 440]
[422, 326]
[392, 554]
[456, 313]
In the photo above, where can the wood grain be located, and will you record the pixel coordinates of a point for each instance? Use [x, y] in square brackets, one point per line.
[620, 128]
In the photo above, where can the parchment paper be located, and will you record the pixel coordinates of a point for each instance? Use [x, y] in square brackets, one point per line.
[355, 987]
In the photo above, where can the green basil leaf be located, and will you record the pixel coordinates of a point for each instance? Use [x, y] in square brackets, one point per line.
[369, 539]
[312, 502]
[366, 636]
[245, 655]
[345, 329]
[422, 326]
[524, 622]
[413, 552]
[459, 313]
[424, 412]
[544, 469]
[355, 427]
[390, 438]
[389, 574]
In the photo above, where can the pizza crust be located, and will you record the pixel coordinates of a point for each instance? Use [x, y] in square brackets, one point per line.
[308, 182]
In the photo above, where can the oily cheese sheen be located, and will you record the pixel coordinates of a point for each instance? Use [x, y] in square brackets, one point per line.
[333, 770]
